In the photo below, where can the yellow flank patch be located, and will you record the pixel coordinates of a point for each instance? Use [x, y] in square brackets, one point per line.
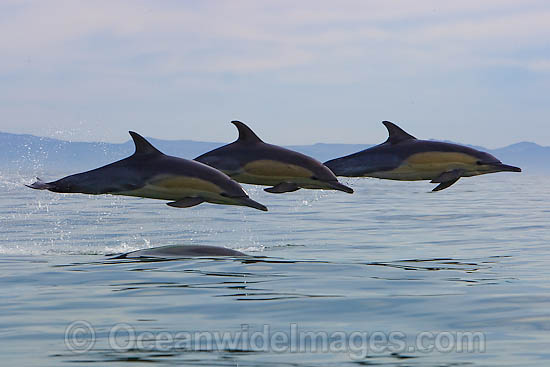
[189, 183]
[278, 169]
[436, 158]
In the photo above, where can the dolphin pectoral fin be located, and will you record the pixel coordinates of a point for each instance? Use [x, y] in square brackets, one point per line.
[448, 176]
[445, 184]
[446, 179]
[185, 202]
[282, 188]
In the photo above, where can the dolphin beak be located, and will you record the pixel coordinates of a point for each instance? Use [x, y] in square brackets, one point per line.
[338, 186]
[506, 168]
[251, 203]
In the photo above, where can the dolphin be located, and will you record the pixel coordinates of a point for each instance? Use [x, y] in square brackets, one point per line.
[179, 251]
[151, 174]
[406, 158]
[250, 160]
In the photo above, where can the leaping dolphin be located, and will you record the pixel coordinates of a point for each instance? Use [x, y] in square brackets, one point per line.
[250, 160]
[151, 174]
[406, 158]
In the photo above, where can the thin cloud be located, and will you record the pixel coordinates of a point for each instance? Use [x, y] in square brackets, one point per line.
[308, 61]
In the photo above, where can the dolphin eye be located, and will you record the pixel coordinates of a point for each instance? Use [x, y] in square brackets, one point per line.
[314, 178]
[479, 163]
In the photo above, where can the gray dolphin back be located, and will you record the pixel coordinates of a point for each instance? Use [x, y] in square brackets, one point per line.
[180, 251]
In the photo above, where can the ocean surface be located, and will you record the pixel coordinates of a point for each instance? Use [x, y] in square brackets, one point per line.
[393, 275]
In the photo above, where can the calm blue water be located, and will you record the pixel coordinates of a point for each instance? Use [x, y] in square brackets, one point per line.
[392, 275]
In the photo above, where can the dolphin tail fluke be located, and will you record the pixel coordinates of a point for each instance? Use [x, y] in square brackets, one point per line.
[40, 185]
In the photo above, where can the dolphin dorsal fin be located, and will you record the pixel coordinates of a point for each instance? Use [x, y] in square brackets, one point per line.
[397, 134]
[246, 135]
[142, 145]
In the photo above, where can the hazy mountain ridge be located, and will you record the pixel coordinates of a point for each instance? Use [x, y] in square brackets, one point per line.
[39, 154]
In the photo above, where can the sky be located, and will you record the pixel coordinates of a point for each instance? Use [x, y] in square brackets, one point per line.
[297, 72]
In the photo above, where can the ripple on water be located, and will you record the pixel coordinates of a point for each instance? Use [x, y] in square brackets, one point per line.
[391, 257]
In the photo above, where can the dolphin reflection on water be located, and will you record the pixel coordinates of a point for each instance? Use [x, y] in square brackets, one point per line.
[151, 174]
[406, 158]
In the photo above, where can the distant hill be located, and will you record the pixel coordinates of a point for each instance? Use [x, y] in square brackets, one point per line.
[26, 153]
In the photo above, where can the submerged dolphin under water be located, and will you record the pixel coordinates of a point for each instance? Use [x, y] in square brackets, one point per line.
[180, 251]
[151, 174]
[406, 158]
[252, 161]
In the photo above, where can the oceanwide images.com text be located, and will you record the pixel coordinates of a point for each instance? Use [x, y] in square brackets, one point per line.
[81, 337]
